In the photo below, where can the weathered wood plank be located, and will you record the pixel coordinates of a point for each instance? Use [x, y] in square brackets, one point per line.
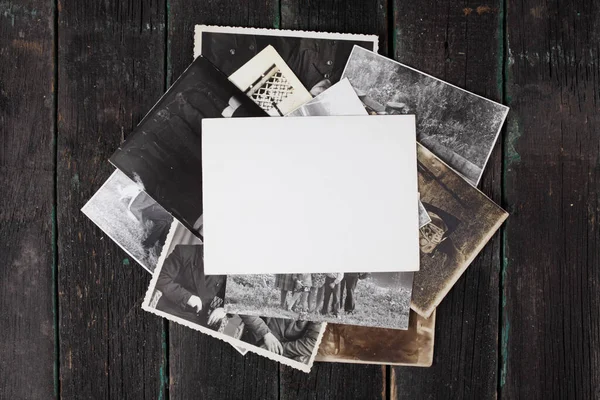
[200, 366]
[363, 17]
[27, 200]
[551, 323]
[111, 71]
[335, 381]
[462, 44]
[326, 380]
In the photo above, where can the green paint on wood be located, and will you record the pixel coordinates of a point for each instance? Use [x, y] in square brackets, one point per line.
[500, 81]
[277, 19]
[163, 373]
[504, 352]
[162, 379]
[14, 10]
[126, 261]
[75, 182]
[511, 156]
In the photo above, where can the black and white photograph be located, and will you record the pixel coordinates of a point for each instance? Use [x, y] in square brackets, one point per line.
[317, 58]
[270, 83]
[182, 293]
[463, 219]
[163, 153]
[460, 127]
[367, 299]
[339, 99]
[131, 218]
[424, 218]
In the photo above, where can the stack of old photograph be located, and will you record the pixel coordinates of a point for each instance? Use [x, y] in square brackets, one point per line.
[299, 196]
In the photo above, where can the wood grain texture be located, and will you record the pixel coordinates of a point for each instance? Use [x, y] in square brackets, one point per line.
[110, 72]
[184, 15]
[113, 59]
[326, 380]
[26, 200]
[355, 16]
[460, 43]
[551, 319]
[200, 366]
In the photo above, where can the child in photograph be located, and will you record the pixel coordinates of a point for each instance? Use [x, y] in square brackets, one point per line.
[315, 295]
[285, 283]
[332, 287]
[302, 284]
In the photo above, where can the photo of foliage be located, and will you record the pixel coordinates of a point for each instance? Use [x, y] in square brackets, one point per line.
[458, 126]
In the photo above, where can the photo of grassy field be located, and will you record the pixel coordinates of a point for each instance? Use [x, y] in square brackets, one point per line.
[382, 300]
[108, 209]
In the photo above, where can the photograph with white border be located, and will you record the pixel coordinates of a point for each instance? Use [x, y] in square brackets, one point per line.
[131, 218]
[180, 292]
[317, 58]
[270, 83]
[377, 300]
[458, 126]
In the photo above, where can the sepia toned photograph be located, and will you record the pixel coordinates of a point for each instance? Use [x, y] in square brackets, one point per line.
[363, 345]
[316, 58]
[182, 293]
[131, 218]
[163, 153]
[460, 127]
[366, 299]
[453, 238]
[270, 83]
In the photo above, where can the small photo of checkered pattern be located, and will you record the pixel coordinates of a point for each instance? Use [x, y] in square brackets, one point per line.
[271, 90]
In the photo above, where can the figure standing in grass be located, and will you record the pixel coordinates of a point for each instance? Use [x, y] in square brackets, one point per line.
[315, 295]
[332, 287]
[285, 283]
[302, 284]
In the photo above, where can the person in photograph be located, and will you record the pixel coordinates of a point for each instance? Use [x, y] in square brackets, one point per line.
[155, 219]
[285, 283]
[435, 236]
[332, 290]
[186, 292]
[299, 298]
[316, 293]
[289, 338]
[349, 285]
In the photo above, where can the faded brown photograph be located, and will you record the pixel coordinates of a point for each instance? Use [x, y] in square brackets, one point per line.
[463, 219]
[363, 345]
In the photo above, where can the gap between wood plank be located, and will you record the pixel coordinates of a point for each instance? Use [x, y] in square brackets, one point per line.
[55, 307]
[502, 335]
[165, 369]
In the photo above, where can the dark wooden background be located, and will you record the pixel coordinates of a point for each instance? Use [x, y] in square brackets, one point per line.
[76, 76]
